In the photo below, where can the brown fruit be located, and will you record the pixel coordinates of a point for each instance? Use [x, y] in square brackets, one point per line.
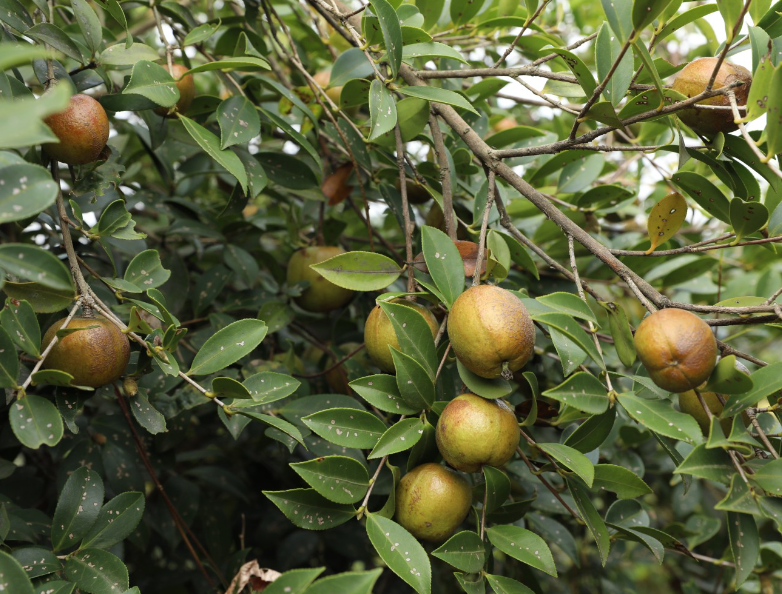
[491, 332]
[322, 295]
[473, 431]
[468, 250]
[379, 334]
[83, 130]
[692, 81]
[416, 193]
[505, 123]
[186, 87]
[689, 404]
[677, 348]
[95, 356]
[431, 502]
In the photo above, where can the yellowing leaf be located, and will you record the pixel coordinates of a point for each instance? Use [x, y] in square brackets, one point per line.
[665, 219]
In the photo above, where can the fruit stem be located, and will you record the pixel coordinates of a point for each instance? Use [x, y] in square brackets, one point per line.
[507, 374]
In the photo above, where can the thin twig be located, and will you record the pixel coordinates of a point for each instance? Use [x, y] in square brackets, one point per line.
[491, 191]
[409, 226]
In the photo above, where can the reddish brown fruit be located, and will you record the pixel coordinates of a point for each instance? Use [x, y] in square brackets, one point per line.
[491, 332]
[677, 348]
[83, 130]
[431, 502]
[468, 250]
[186, 87]
[693, 79]
[473, 431]
[95, 356]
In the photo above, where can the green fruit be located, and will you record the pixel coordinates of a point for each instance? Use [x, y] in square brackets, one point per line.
[186, 86]
[473, 431]
[379, 334]
[95, 356]
[322, 295]
[692, 81]
[83, 130]
[677, 348]
[416, 193]
[491, 332]
[691, 405]
[431, 502]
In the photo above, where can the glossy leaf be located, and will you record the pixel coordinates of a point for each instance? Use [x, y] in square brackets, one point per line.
[77, 508]
[359, 271]
[617, 479]
[346, 427]
[487, 388]
[744, 544]
[381, 391]
[665, 219]
[211, 146]
[401, 552]
[464, 551]
[766, 381]
[659, 417]
[444, 263]
[116, 521]
[582, 391]
[19, 321]
[337, 478]
[607, 49]
[438, 95]
[239, 121]
[309, 510]
[146, 270]
[416, 387]
[97, 572]
[32, 263]
[392, 33]
[382, 110]
[227, 346]
[571, 459]
[746, 217]
[35, 421]
[401, 436]
[591, 434]
[620, 332]
[90, 26]
[413, 333]
[14, 577]
[523, 545]
[497, 486]
[591, 517]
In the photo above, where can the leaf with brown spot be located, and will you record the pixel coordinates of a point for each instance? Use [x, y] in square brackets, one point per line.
[665, 219]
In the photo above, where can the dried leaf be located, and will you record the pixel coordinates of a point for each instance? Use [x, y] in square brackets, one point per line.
[335, 186]
[251, 573]
[665, 219]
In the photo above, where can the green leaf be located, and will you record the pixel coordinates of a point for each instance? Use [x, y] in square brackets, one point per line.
[591, 434]
[90, 28]
[757, 100]
[744, 544]
[337, 478]
[308, 509]
[571, 459]
[579, 70]
[382, 110]
[241, 63]
[640, 50]
[607, 49]
[15, 14]
[37, 561]
[582, 391]
[555, 533]
[122, 55]
[55, 37]
[346, 427]
[268, 386]
[658, 416]
[619, 15]
[620, 332]
[225, 387]
[651, 543]
[617, 479]
[359, 271]
[746, 217]
[227, 346]
[77, 508]
[114, 217]
[523, 545]
[416, 386]
[392, 33]
[665, 219]
[18, 319]
[774, 112]
[239, 121]
[464, 11]
[401, 552]
[295, 581]
[413, 333]
[691, 14]
[506, 585]
[381, 391]
[497, 484]
[569, 304]
[569, 327]
[431, 49]
[464, 551]
[43, 299]
[146, 271]
[769, 477]
[350, 582]
[444, 263]
[645, 11]
[711, 464]
[147, 415]
[14, 577]
[766, 381]
[116, 521]
[153, 82]
[437, 95]
[284, 426]
[488, 388]
[35, 264]
[35, 421]
[728, 379]
[401, 436]
[594, 522]
[431, 10]
[97, 572]
[211, 145]
[201, 33]
[730, 11]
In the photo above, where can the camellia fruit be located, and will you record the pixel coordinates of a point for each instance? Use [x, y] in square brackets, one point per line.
[186, 86]
[677, 348]
[416, 193]
[691, 405]
[491, 332]
[693, 79]
[473, 431]
[431, 502]
[94, 356]
[379, 333]
[468, 250]
[322, 295]
[83, 130]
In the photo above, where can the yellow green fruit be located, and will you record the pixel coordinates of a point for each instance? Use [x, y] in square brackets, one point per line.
[94, 356]
[473, 431]
[322, 295]
[491, 332]
[379, 334]
[83, 130]
[431, 502]
[186, 87]
[693, 79]
[677, 348]
[689, 404]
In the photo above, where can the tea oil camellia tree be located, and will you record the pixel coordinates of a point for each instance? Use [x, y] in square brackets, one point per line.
[325, 296]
